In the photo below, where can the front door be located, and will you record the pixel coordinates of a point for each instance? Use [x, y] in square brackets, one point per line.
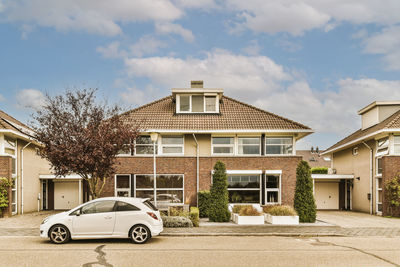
[96, 218]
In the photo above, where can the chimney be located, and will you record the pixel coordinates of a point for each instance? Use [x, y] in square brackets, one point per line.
[196, 84]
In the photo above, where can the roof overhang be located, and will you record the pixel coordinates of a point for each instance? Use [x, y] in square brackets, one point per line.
[377, 103]
[359, 140]
[332, 176]
[216, 91]
[53, 176]
[20, 135]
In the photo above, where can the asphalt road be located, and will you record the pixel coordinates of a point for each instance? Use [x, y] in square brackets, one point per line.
[204, 251]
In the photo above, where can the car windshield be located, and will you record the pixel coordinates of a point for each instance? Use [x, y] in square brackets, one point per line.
[150, 205]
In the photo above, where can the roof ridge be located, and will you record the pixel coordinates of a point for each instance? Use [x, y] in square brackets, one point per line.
[268, 112]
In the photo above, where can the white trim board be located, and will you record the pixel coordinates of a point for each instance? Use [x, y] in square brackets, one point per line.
[332, 176]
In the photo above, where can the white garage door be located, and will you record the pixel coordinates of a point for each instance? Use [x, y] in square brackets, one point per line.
[66, 195]
[327, 195]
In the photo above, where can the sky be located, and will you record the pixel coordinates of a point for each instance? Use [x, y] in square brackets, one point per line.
[313, 61]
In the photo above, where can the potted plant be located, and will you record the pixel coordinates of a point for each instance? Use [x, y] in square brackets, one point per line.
[280, 215]
[247, 214]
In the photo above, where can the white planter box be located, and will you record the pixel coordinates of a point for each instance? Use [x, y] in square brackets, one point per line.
[249, 220]
[287, 220]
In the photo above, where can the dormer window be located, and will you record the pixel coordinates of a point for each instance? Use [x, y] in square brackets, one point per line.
[197, 103]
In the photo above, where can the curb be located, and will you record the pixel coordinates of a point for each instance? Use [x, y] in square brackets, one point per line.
[255, 234]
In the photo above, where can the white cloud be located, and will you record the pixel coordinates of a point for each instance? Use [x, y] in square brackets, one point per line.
[2, 98]
[112, 50]
[167, 28]
[385, 43]
[30, 98]
[93, 16]
[296, 17]
[219, 68]
[252, 49]
[146, 45]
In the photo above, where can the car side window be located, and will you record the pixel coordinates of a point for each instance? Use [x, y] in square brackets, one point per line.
[99, 207]
[123, 206]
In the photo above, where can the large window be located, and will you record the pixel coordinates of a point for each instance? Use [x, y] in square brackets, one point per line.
[249, 146]
[197, 103]
[279, 146]
[272, 189]
[144, 146]
[169, 188]
[379, 166]
[396, 144]
[223, 145]
[244, 188]
[172, 144]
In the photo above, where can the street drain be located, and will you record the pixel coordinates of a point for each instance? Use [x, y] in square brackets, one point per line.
[101, 258]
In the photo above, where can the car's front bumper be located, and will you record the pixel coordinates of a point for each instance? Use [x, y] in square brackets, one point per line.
[44, 230]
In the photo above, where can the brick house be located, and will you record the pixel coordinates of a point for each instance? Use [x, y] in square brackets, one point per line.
[183, 135]
[371, 155]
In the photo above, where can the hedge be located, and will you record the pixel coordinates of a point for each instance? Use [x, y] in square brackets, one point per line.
[204, 203]
[304, 202]
[319, 170]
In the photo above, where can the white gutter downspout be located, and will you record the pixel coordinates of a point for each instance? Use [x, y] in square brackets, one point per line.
[197, 170]
[22, 177]
[371, 175]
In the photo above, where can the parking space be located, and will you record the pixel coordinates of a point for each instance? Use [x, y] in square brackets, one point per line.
[351, 219]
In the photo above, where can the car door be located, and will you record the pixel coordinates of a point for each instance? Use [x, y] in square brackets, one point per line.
[97, 218]
[127, 215]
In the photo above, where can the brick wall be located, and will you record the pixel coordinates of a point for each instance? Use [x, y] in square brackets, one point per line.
[390, 168]
[187, 166]
[5, 171]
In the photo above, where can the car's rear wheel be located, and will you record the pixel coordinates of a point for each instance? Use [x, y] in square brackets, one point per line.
[59, 234]
[139, 234]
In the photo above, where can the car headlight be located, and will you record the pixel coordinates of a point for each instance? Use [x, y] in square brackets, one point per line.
[45, 220]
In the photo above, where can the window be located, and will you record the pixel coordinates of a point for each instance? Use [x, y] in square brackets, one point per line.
[123, 185]
[379, 166]
[169, 188]
[355, 151]
[144, 146]
[123, 206]
[244, 188]
[172, 144]
[99, 207]
[279, 146]
[185, 103]
[14, 195]
[125, 151]
[223, 145]
[197, 104]
[396, 144]
[249, 146]
[379, 194]
[211, 105]
[272, 189]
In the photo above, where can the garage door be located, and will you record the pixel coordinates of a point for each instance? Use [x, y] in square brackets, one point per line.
[66, 195]
[327, 196]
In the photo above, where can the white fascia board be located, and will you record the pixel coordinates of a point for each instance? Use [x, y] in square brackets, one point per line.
[273, 172]
[241, 171]
[332, 176]
[363, 138]
[23, 136]
[52, 176]
[225, 131]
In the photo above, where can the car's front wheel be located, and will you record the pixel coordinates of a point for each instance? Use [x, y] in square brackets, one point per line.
[59, 234]
[139, 234]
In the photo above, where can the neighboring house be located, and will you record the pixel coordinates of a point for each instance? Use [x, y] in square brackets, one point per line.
[34, 188]
[315, 159]
[194, 128]
[371, 155]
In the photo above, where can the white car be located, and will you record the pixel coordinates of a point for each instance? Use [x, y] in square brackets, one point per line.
[111, 217]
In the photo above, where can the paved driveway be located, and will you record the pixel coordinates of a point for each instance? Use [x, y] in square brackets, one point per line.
[351, 219]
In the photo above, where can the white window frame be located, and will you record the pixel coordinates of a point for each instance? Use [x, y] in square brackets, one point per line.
[116, 190]
[376, 167]
[223, 145]
[279, 137]
[254, 137]
[172, 145]
[160, 189]
[396, 144]
[178, 103]
[378, 189]
[245, 172]
[279, 190]
[128, 153]
[149, 145]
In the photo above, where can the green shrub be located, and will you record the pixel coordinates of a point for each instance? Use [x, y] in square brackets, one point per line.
[304, 202]
[194, 216]
[4, 186]
[249, 210]
[218, 210]
[204, 203]
[177, 211]
[393, 196]
[176, 221]
[237, 208]
[319, 170]
[280, 210]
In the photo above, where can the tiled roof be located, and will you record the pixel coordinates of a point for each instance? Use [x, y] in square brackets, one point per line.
[314, 159]
[234, 115]
[393, 122]
[9, 123]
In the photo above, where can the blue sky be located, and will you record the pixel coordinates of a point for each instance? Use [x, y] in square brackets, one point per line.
[316, 62]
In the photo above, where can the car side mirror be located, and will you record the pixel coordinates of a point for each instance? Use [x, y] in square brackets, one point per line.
[78, 212]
